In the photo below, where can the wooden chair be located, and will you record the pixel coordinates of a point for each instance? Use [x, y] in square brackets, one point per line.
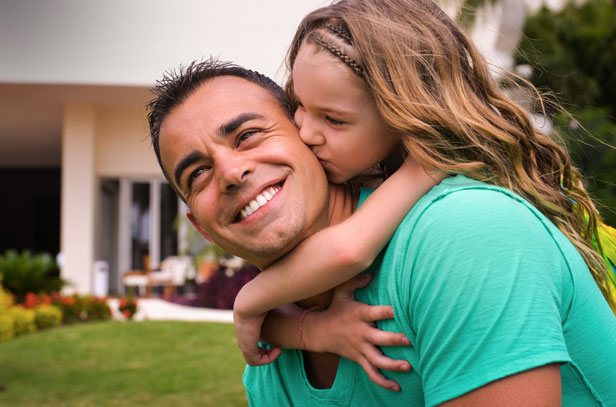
[173, 271]
[139, 278]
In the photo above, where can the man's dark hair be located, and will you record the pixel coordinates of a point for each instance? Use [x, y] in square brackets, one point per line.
[177, 85]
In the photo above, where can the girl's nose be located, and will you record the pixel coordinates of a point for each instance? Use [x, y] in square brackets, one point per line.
[308, 131]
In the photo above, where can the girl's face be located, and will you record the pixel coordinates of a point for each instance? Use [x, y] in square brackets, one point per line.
[337, 116]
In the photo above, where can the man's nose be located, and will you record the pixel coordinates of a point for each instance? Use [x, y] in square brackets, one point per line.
[309, 132]
[233, 170]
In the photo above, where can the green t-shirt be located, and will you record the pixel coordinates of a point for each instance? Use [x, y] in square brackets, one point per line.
[484, 286]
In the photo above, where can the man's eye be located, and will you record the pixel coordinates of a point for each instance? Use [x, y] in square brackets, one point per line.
[334, 122]
[195, 174]
[244, 136]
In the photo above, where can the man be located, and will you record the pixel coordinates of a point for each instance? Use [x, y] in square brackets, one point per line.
[223, 136]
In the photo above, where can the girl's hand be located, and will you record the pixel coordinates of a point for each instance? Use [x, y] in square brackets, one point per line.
[347, 328]
[247, 334]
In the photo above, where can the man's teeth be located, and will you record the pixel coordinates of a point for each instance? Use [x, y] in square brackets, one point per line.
[259, 201]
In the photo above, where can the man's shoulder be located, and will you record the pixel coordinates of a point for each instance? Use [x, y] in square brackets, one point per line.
[457, 192]
[464, 202]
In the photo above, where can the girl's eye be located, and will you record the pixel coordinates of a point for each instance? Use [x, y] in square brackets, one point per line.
[334, 122]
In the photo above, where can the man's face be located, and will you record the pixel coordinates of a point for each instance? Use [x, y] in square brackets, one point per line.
[252, 186]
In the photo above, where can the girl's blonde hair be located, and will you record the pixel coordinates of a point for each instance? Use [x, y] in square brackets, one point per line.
[431, 84]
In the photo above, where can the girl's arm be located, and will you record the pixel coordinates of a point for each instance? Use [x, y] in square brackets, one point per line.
[345, 328]
[331, 256]
[335, 254]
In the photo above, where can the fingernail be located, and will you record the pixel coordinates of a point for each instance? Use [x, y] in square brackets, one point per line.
[406, 341]
[395, 387]
[405, 366]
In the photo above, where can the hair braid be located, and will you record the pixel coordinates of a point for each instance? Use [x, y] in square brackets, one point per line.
[341, 32]
[350, 62]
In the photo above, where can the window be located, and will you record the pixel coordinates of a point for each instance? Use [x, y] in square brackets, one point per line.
[137, 218]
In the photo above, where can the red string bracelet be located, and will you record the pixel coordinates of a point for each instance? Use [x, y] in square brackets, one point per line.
[301, 320]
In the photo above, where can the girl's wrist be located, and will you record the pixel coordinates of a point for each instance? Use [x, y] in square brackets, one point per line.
[306, 327]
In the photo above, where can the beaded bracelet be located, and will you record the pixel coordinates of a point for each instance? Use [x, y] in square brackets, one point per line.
[301, 320]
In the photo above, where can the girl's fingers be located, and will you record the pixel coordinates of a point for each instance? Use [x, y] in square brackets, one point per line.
[252, 358]
[384, 338]
[372, 313]
[380, 361]
[269, 355]
[262, 356]
[377, 378]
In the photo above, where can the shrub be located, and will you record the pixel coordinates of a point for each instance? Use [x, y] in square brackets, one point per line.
[6, 300]
[47, 316]
[128, 307]
[97, 309]
[74, 308]
[26, 272]
[6, 327]
[32, 300]
[23, 320]
[220, 290]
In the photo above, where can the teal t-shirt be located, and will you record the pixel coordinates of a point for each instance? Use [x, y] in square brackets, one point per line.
[484, 286]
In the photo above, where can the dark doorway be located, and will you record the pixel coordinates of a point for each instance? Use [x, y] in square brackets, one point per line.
[30, 209]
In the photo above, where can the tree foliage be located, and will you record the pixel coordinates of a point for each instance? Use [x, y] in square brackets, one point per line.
[573, 55]
[24, 272]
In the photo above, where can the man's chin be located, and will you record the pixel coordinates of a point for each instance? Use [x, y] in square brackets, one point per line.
[264, 246]
[263, 253]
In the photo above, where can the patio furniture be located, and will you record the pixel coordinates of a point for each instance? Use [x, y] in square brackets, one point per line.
[173, 271]
[139, 278]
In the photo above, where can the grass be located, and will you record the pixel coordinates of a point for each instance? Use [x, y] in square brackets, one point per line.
[124, 364]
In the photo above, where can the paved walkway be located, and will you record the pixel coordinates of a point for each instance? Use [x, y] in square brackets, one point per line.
[157, 309]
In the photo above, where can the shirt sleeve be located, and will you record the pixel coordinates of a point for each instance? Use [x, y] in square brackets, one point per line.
[485, 300]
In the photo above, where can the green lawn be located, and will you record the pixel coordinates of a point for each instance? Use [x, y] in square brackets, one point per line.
[133, 364]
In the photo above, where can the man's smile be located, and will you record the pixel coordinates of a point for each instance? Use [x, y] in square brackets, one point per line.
[260, 200]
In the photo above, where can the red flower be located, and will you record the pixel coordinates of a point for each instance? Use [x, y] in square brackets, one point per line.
[127, 314]
[32, 300]
[68, 301]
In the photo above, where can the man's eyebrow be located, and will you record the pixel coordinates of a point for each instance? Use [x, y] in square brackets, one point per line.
[229, 127]
[223, 131]
[185, 163]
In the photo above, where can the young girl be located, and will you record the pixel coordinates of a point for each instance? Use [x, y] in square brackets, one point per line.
[336, 71]
[339, 120]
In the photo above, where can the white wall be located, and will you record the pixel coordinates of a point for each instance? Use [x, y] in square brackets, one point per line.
[123, 145]
[78, 192]
[130, 42]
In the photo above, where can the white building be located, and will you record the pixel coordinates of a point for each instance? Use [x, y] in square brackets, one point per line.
[78, 171]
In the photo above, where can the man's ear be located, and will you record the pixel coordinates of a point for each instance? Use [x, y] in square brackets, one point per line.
[192, 220]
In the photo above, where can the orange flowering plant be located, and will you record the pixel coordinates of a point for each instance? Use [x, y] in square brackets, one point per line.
[128, 307]
[75, 308]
